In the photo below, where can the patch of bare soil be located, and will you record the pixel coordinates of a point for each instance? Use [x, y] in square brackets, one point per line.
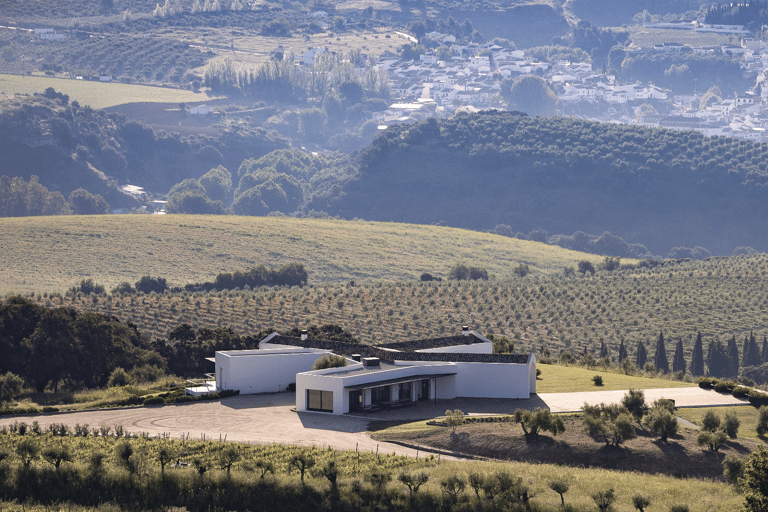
[680, 457]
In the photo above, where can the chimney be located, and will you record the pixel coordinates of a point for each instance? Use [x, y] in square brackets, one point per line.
[371, 362]
[356, 357]
[303, 335]
[465, 330]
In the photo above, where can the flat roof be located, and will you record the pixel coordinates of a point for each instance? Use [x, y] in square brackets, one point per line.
[389, 382]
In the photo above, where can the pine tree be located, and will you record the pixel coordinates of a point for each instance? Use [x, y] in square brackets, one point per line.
[603, 350]
[678, 364]
[697, 360]
[642, 356]
[622, 352]
[660, 360]
[733, 355]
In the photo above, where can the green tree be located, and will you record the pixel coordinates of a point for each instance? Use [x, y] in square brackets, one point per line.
[560, 486]
[711, 421]
[454, 418]
[10, 386]
[302, 462]
[712, 440]
[85, 203]
[733, 468]
[228, 456]
[413, 481]
[640, 502]
[634, 402]
[611, 422]
[530, 94]
[539, 419]
[762, 420]
[731, 425]
[312, 122]
[604, 499]
[217, 183]
[661, 421]
[754, 484]
[193, 202]
[733, 356]
[56, 454]
[28, 450]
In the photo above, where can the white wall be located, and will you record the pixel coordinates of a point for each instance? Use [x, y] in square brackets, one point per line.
[262, 371]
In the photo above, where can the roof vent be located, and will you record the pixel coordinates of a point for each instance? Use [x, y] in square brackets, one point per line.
[356, 357]
[303, 335]
[371, 362]
[465, 330]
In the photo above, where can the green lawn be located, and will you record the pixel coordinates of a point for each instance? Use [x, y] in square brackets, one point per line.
[747, 414]
[568, 379]
[97, 94]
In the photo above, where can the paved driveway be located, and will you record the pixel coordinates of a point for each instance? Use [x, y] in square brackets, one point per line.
[270, 418]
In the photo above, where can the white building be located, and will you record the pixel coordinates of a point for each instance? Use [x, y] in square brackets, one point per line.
[383, 376]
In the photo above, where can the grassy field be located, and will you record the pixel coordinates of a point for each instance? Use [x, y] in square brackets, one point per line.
[97, 94]
[52, 254]
[647, 37]
[567, 379]
[747, 415]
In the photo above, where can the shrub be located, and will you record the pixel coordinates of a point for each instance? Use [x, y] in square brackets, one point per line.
[454, 418]
[707, 382]
[329, 361]
[741, 392]
[754, 484]
[725, 386]
[598, 380]
[757, 399]
[710, 421]
[153, 400]
[733, 468]
[118, 377]
[463, 273]
[731, 425]
[640, 502]
[762, 420]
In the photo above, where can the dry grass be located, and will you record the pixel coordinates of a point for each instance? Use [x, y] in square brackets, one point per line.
[52, 254]
[98, 94]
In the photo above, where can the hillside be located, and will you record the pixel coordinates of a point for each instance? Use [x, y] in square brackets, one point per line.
[40, 255]
[68, 145]
[658, 187]
[720, 297]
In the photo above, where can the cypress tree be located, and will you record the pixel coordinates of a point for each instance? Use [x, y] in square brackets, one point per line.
[660, 360]
[765, 349]
[733, 354]
[642, 356]
[603, 350]
[717, 360]
[678, 364]
[697, 361]
[622, 352]
[752, 355]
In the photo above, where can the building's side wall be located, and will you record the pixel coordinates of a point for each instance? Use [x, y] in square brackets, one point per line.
[492, 380]
[262, 372]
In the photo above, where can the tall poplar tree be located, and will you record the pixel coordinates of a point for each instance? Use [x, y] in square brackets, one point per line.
[622, 352]
[697, 360]
[660, 360]
[678, 364]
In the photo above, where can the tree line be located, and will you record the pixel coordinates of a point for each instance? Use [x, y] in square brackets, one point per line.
[19, 198]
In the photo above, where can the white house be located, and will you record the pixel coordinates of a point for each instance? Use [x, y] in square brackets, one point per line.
[382, 376]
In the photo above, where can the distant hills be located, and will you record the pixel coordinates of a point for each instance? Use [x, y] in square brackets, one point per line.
[661, 188]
